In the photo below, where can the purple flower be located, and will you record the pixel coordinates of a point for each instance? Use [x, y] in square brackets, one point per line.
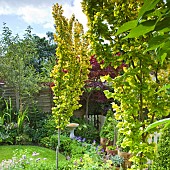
[81, 159]
[75, 163]
[83, 140]
[79, 139]
[37, 159]
[97, 148]
[94, 142]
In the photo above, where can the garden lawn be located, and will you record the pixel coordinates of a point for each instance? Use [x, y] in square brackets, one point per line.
[7, 152]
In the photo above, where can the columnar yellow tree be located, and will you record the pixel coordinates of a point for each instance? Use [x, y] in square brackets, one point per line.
[71, 70]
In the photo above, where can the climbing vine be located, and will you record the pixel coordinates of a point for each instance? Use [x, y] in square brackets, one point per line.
[71, 70]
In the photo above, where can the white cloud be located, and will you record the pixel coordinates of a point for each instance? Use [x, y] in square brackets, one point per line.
[5, 9]
[49, 25]
[41, 35]
[36, 15]
[77, 11]
[40, 11]
[79, 14]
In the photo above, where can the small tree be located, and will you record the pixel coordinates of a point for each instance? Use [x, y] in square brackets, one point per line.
[94, 87]
[71, 70]
[15, 64]
[46, 57]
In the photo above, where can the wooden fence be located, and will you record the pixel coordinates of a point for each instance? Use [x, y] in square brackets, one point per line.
[43, 98]
[45, 102]
[154, 138]
[97, 120]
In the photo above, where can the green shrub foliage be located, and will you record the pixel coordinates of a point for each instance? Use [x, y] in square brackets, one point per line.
[163, 156]
[84, 128]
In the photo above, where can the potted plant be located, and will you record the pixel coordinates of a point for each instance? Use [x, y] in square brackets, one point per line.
[123, 152]
[108, 131]
[117, 160]
[126, 156]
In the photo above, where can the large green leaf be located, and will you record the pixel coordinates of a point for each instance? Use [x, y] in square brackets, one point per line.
[157, 123]
[142, 29]
[148, 5]
[127, 26]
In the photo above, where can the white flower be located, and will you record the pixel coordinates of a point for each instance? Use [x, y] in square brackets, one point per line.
[35, 154]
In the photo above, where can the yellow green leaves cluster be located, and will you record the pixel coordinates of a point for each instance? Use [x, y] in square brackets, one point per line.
[104, 19]
[71, 70]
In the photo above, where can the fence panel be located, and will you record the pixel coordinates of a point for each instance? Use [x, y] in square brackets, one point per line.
[43, 98]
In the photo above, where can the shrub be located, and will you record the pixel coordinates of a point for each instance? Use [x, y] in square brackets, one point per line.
[41, 128]
[9, 133]
[71, 147]
[84, 128]
[120, 138]
[92, 158]
[109, 129]
[52, 141]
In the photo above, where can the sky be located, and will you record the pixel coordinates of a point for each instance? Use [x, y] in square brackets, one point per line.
[19, 14]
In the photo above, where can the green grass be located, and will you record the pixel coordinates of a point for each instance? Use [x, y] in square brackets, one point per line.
[7, 152]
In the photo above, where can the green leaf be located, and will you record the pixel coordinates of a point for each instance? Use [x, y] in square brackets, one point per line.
[149, 13]
[166, 45]
[108, 94]
[165, 87]
[148, 5]
[164, 25]
[127, 26]
[163, 51]
[156, 42]
[142, 29]
[157, 123]
[163, 57]
[152, 13]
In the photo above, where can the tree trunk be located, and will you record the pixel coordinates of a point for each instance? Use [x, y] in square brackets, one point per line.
[87, 108]
[17, 101]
